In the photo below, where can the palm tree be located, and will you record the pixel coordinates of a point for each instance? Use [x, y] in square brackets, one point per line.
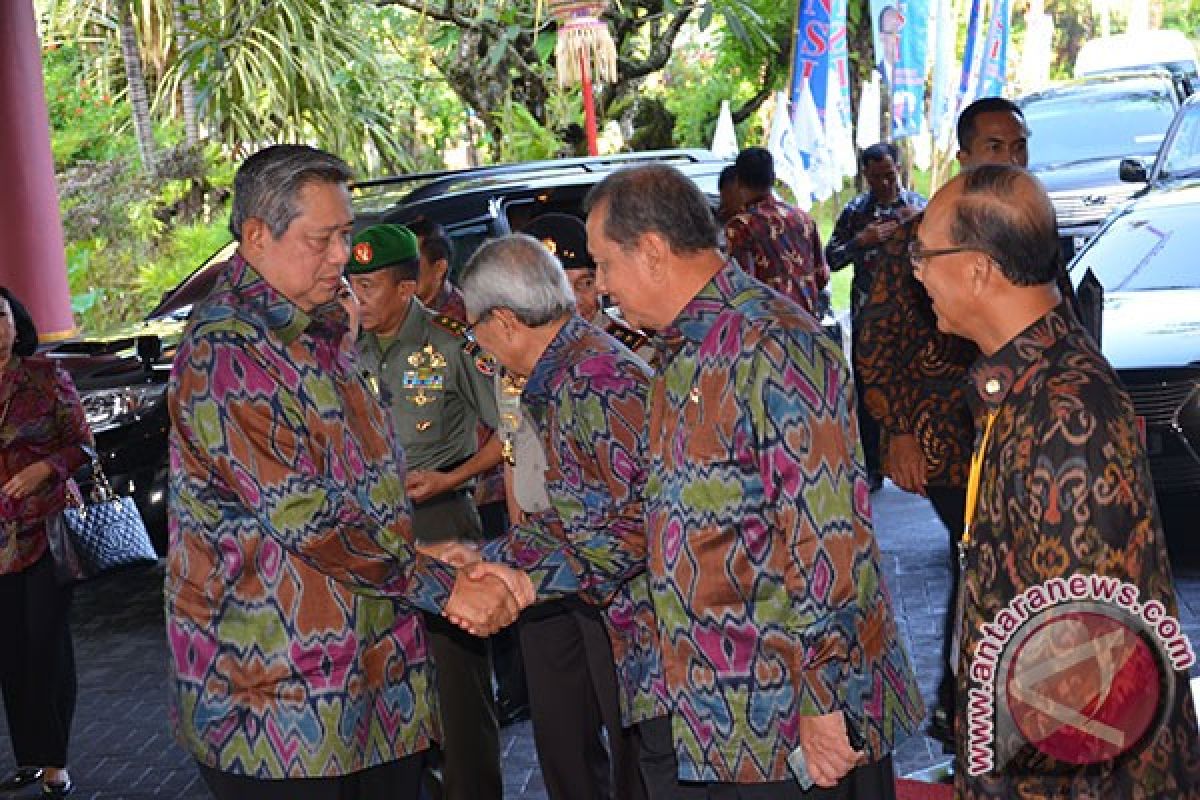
[135, 81]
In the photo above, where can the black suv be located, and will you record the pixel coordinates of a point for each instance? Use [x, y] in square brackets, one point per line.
[1082, 129]
[122, 378]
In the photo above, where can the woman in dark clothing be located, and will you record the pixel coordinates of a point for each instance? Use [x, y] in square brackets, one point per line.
[43, 436]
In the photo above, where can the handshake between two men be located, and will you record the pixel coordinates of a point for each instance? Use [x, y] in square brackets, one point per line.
[486, 596]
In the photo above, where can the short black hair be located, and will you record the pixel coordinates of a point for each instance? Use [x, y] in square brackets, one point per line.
[434, 242]
[727, 176]
[26, 343]
[880, 151]
[655, 198]
[1005, 212]
[984, 105]
[755, 169]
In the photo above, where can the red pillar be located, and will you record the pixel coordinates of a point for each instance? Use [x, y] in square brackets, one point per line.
[33, 261]
[589, 106]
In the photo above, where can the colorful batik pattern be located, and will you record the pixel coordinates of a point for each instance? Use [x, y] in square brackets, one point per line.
[291, 586]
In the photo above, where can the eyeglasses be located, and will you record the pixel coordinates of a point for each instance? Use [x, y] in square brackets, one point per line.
[469, 331]
[919, 256]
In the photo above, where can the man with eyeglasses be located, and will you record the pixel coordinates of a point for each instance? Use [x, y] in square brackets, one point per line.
[437, 386]
[913, 375]
[1089, 697]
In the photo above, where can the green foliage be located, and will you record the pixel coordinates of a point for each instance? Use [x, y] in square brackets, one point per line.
[525, 139]
[88, 122]
[292, 70]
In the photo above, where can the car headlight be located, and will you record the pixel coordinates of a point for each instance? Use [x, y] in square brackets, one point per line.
[112, 408]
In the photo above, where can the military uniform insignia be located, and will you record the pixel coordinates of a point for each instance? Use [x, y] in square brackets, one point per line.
[633, 339]
[363, 252]
[427, 375]
[509, 407]
[485, 365]
[423, 425]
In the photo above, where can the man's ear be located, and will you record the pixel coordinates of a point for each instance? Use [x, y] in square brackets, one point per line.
[254, 233]
[981, 274]
[506, 319]
[655, 250]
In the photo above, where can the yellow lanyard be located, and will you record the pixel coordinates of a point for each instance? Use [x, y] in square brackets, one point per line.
[973, 480]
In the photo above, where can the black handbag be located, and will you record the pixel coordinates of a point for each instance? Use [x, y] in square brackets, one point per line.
[105, 534]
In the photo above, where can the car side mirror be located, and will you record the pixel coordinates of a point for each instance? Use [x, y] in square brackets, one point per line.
[1132, 171]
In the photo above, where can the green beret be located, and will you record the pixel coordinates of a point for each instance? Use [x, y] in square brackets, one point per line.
[382, 246]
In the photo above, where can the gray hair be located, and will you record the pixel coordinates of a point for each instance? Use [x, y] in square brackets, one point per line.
[516, 272]
[655, 198]
[268, 183]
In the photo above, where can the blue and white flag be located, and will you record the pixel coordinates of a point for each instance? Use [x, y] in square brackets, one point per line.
[994, 69]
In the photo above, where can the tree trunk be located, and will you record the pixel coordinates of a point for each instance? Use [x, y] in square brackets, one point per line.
[191, 126]
[135, 80]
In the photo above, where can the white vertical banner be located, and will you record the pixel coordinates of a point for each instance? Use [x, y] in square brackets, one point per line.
[724, 143]
[810, 132]
[785, 150]
[942, 111]
[869, 117]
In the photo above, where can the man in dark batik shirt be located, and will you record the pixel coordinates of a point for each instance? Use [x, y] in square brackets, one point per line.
[773, 242]
[1072, 673]
[913, 375]
[867, 221]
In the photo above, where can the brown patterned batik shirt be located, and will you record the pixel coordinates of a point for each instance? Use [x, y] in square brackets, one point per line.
[1086, 668]
[913, 375]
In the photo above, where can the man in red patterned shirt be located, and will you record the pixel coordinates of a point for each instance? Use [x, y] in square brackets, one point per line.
[773, 242]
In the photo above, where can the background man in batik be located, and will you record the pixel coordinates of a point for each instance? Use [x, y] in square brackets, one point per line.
[1063, 489]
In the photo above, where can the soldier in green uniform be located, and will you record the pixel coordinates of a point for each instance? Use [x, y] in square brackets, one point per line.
[437, 385]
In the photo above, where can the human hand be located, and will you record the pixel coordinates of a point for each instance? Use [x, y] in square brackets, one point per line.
[423, 484]
[827, 750]
[518, 582]
[456, 554]
[28, 480]
[480, 607]
[906, 463]
[878, 232]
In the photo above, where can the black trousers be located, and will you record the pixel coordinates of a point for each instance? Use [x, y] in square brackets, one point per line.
[572, 699]
[950, 504]
[875, 781]
[37, 664]
[396, 780]
[509, 668]
[470, 747]
[868, 433]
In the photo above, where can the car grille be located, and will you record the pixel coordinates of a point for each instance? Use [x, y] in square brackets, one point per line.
[1089, 206]
[1158, 403]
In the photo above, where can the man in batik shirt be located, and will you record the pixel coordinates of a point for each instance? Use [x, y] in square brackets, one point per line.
[867, 221]
[1072, 672]
[912, 376]
[772, 241]
[586, 393]
[299, 665]
[776, 629]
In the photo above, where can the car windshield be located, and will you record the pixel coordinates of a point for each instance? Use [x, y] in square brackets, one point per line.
[1146, 249]
[1117, 125]
[1181, 158]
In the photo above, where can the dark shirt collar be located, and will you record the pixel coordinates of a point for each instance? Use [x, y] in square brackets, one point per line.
[993, 377]
[283, 317]
[551, 368]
